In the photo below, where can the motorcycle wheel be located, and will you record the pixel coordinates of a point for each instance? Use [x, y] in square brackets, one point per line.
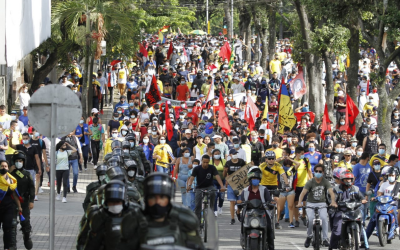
[356, 240]
[205, 225]
[382, 235]
[254, 244]
[317, 237]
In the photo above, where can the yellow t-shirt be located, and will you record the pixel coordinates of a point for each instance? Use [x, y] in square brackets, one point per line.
[160, 86]
[302, 173]
[346, 165]
[336, 89]
[367, 107]
[282, 56]
[219, 167]
[269, 178]
[382, 160]
[107, 146]
[5, 118]
[275, 66]
[17, 137]
[205, 88]
[165, 152]
[277, 151]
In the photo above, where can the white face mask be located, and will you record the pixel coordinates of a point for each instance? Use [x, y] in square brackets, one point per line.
[162, 141]
[131, 173]
[114, 135]
[124, 132]
[154, 132]
[126, 151]
[156, 111]
[19, 165]
[115, 209]
[235, 156]
[183, 105]
[146, 140]
[187, 155]
[25, 90]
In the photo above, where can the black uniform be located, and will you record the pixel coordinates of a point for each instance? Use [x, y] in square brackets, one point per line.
[89, 192]
[137, 154]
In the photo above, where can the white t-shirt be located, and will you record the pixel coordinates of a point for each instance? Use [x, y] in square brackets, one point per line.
[386, 188]
[62, 160]
[363, 85]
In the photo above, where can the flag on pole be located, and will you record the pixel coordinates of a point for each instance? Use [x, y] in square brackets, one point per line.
[298, 85]
[223, 121]
[160, 36]
[326, 122]
[232, 59]
[168, 124]
[225, 52]
[351, 114]
[286, 115]
[165, 28]
[210, 94]
[179, 31]
[251, 113]
[184, 52]
[265, 113]
[153, 95]
[143, 50]
[367, 90]
[170, 50]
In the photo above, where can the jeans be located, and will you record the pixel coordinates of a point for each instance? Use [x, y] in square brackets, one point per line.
[62, 175]
[85, 154]
[111, 92]
[286, 210]
[95, 145]
[182, 185]
[191, 198]
[220, 195]
[323, 215]
[75, 170]
[161, 169]
[199, 200]
[96, 102]
[364, 209]
[33, 175]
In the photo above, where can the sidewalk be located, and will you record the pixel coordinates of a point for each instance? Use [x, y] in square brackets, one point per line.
[68, 215]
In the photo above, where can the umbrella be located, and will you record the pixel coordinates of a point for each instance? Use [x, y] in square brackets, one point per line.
[198, 32]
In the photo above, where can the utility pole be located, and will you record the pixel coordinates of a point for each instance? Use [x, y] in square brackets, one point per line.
[207, 15]
[232, 18]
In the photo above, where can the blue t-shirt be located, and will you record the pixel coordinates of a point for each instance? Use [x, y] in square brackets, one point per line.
[314, 159]
[361, 173]
[24, 119]
[78, 131]
[131, 85]
[124, 105]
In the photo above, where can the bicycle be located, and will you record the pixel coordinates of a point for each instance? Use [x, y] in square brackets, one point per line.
[274, 193]
[205, 196]
[317, 227]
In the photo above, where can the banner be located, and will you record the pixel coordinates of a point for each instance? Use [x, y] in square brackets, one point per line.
[153, 96]
[301, 114]
[286, 115]
[297, 85]
[238, 180]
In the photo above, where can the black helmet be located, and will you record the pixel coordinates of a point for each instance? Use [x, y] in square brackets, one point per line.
[18, 154]
[115, 144]
[131, 166]
[114, 190]
[115, 173]
[394, 171]
[130, 136]
[158, 183]
[101, 170]
[113, 162]
[117, 151]
[126, 144]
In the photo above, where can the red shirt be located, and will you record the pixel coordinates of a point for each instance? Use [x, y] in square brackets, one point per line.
[398, 146]
[182, 90]
[194, 117]
[253, 195]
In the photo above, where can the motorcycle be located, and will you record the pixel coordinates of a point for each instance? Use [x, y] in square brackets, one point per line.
[351, 225]
[254, 225]
[385, 219]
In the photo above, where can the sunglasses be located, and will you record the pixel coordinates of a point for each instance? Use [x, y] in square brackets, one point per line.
[318, 171]
[270, 158]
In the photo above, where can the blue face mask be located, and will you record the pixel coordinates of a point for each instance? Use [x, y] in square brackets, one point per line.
[291, 151]
[25, 141]
[119, 112]
[289, 140]
[132, 144]
[236, 145]
[311, 149]
[302, 157]
[255, 182]
[381, 151]
[328, 155]
[131, 104]
[342, 123]
[318, 175]
[271, 120]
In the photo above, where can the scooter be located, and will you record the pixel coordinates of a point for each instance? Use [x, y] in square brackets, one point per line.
[351, 225]
[254, 225]
[385, 219]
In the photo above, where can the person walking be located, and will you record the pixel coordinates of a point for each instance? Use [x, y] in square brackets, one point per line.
[83, 132]
[96, 139]
[183, 165]
[62, 168]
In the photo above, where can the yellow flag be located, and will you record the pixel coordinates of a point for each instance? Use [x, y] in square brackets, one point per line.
[265, 108]
[286, 115]
[160, 36]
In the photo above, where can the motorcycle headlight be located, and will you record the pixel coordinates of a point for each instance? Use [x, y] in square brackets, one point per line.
[383, 199]
[255, 223]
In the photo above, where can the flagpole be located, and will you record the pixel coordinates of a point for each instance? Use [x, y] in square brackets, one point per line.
[207, 15]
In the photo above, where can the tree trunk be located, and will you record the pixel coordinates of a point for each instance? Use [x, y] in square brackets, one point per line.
[384, 112]
[329, 85]
[248, 40]
[228, 17]
[85, 84]
[272, 32]
[264, 50]
[90, 89]
[42, 72]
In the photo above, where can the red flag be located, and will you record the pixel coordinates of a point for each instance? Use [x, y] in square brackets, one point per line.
[297, 85]
[223, 116]
[351, 114]
[143, 50]
[225, 52]
[153, 96]
[168, 124]
[170, 50]
[299, 115]
[251, 113]
[326, 122]
[367, 88]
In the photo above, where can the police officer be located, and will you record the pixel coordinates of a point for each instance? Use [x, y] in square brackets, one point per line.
[133, 178]
[101, 175]
[104, 232]
[26, 189]
[137, 154]
[163, 223]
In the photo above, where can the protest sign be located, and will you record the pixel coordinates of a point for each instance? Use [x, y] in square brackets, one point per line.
[238, 180]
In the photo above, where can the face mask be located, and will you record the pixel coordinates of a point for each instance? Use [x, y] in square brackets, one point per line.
[194, 165]
[255, 182]
[311, 149]
[217, 157]
[162, 141]
[236, 145]
[156, 111]
[374, 90]
[132, 144]
[3, 171]
[381, 151]
[328, 155]
[119, 112]
[126, 151]
[235, 156]
[372, 132]
[391, 178]
[114, 135]
[370, 100]
[302, 157]
[131, 104]
[275, 145]
[131, 173]
[19, 165]
[318, 175]
[116, 118]
[342, 123]
[157, 211]
[13, 117]
[377, 167]
[194, 86]
[183, 105]
[338, 150]
[362, 93]
[394, 130]
[25, 90]
[271, 120]
[396, 115]
[154, 132]
[291, 151]
[75, 90]
[133, 116]
[289, 140]
[37, 134]
[181, 116]
[144, 140]
[25, 141]
[359, 153]
[115, 209]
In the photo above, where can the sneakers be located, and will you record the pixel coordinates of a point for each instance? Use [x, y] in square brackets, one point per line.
[40, 190]
[325, 243]
[101, 112]
[64, 200]
[308, 242]
[291, 225]
[58, 197]
[304, 221]
[95, 167]
[219, 210]
[74, 189]
[36, 199]
[68, 190]
[296, 223]
[232, 221]
[216, 213]
[277, 226]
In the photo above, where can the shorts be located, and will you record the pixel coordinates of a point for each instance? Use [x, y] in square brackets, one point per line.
[298, 192]
[271, 187]
[231, 195]
[286, 194]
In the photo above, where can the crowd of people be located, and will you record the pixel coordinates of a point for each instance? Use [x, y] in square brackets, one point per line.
[182, 142]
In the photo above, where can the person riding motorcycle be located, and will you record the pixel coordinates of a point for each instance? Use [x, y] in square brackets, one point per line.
[345, 191]
[105, 223]
[256, 191]
[137, 154]
[162, 222]
[101, 175]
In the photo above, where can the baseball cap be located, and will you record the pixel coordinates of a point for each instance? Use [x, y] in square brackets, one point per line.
[188, 131]
[216, 136]
[347, 152]
[233, 151]
[95, 110]
[201, 95]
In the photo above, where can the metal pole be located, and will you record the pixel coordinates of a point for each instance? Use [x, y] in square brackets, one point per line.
[232, 17]
[53, 172]
[207, 15]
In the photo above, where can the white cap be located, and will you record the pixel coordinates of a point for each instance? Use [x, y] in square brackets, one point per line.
[95, 110]
[126, 118]
[188, 131]
[236, 78]
[216, 136]
[305, 103]
[124, 127]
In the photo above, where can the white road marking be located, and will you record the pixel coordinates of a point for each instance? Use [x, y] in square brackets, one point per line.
[296, 246]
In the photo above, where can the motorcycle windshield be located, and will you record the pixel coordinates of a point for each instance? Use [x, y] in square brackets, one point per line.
[384, 199]
[253, 204]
